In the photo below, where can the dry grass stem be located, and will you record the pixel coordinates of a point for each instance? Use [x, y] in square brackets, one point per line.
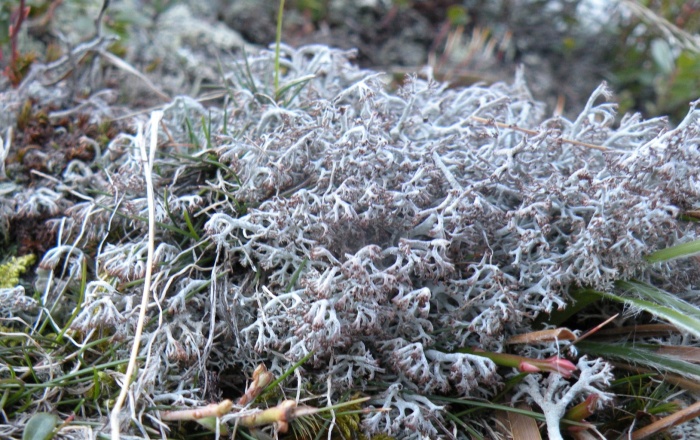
[535, 133]
[663, 425]
[147, 160]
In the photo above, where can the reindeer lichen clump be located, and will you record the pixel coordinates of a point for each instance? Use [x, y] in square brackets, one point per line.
[418, 227]
[379, 231]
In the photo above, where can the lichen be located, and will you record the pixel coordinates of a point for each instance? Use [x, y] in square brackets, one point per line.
[378, 230]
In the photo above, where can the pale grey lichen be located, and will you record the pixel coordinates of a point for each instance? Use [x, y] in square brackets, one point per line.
[378, 230]
[99, 309]
[14, 302]
[554, 394]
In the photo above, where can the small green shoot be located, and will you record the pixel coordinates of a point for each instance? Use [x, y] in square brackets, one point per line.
[295, 276]
[295, 86]
[79, 305]
[190, 131]
[160, 225]
[646, 393]
[291, 370]
[190, 227]
[206, 127]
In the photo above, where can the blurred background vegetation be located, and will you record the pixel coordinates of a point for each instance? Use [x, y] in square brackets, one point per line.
[647, 50]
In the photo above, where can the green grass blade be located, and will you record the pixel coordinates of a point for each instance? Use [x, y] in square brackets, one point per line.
[190, 226]
[190, 130]
[287, 373]
[79, 306]
[582, 298]
[206, 128]
[247, 436]
[473, 432]
[250, 82]
[496, 407]
[295, 275]
[640, 355]
[490, 406]
[663, 305]
[678, 251]
[300, 83]
[166, 205]
[661, 297]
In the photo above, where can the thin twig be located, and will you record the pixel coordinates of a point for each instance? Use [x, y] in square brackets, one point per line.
[534, 133]
[278, 39]
[123, 65]
[62, 186]
[15, 27]
[148, 170]
[595, 329]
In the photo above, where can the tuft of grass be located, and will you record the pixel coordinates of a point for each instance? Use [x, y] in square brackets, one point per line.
[661, 304]
[649, 373]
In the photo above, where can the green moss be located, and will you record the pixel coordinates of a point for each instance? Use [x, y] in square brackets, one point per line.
[348, 425]
[10, 271]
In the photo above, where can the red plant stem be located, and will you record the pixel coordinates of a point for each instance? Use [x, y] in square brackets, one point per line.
[21, 14]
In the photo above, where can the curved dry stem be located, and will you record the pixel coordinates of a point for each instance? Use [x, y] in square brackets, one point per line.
[148, 169]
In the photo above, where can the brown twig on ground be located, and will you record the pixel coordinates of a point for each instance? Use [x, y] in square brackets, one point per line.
[213, 410]
[534, 133]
